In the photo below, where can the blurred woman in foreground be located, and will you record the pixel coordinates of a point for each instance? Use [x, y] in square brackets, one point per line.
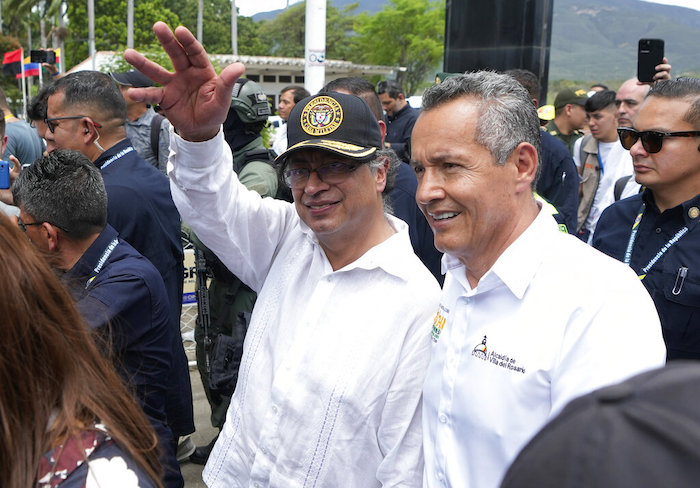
[66, 418]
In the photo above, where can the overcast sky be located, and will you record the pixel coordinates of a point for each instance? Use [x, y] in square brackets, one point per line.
[251, 7]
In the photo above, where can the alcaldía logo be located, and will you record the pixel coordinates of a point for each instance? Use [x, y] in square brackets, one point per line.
[501, 360]
[439, 322]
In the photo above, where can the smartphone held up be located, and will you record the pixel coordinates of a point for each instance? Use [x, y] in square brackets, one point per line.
[650, 53]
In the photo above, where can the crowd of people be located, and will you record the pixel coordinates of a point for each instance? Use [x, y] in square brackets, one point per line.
[415, 297]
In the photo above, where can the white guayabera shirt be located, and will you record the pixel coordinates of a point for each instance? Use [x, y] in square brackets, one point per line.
[329, 388]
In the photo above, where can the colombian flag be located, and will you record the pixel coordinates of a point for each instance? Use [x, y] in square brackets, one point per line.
[30, 69]
[12, 62]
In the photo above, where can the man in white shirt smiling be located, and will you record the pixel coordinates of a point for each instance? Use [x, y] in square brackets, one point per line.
[530, 317]
[329, 389]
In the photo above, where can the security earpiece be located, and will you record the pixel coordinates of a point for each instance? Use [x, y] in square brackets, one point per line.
[87, 131]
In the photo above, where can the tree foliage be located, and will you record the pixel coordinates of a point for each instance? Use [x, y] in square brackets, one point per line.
[406, 33]
[110, 26]
[285, 34]
[216, 27]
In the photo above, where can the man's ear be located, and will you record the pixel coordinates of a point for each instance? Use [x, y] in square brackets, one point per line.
[525, 160]
[381, 173]
[382, 129]
[53, 237]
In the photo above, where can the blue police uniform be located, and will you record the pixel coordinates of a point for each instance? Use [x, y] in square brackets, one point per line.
[140, 208]
[665, 251]
[558, 180]
[403, 202]
[125, 298]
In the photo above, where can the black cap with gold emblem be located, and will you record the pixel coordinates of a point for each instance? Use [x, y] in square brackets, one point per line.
[335, 122]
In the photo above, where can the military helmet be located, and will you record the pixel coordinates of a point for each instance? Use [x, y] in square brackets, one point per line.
[249, 101]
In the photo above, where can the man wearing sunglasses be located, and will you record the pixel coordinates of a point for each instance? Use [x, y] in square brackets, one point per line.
[329, 387]
[86, 112]
[656, 231]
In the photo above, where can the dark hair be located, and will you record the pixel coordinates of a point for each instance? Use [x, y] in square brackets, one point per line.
[299, 92]
[600, 100]
[54, 381]
[360, 88]
[95, 91]
[37, 108]
[65, 189]
[600, 85]
[681, 88]
[2, 129]
[528, 79]
[390, 87]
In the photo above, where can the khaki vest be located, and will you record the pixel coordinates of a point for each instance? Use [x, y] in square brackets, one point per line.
[590, 178]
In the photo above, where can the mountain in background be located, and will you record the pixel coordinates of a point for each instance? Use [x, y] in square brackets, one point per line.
[596, 40]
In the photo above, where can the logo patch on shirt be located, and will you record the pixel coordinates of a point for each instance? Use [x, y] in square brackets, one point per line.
[480, 351]
[439, 322]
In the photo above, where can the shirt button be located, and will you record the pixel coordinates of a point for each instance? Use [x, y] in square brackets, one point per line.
[442, 419]
[274, 409]
[658, 230]
[264, 451]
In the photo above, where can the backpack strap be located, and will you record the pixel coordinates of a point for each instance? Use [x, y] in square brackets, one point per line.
[620, 186]
[156, 121]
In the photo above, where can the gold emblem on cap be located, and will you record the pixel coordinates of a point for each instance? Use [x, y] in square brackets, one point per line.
[580, 93]
[693, 212]
[321, 116]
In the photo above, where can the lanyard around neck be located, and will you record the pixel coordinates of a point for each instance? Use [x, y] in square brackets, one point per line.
[121, 153]
[633, 237]
[103, 259]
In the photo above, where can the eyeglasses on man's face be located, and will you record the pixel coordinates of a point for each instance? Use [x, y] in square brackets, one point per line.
[651, 140]
[51, 123]
[333, 173]
[23, 225]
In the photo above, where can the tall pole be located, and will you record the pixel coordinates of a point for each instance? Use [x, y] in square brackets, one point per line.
[61, 45]
[130, 24]
[91, 32]
[234, 28]
[200, 15]
[315, 45]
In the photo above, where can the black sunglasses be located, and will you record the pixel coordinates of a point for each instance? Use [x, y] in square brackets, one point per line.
[651, 140]
[51, 123]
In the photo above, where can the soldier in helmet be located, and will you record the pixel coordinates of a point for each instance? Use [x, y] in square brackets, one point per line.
[230, 300]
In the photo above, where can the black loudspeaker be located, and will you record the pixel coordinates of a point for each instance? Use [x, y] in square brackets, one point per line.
[499, 35]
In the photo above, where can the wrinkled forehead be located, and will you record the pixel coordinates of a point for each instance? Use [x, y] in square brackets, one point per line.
[631, 91]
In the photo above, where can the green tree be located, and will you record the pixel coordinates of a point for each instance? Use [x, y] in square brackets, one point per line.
[285, 34]
[9, 84]
[216, 29]
[407, 33]
[110, 26]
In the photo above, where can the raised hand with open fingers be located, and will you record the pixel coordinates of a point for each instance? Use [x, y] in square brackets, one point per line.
[194, 98]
